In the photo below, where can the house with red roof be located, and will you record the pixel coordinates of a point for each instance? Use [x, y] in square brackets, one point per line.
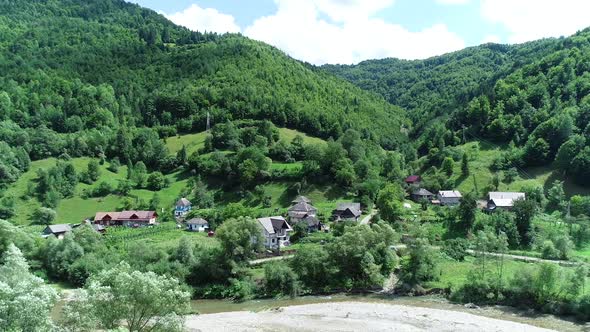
[413, 179]
[126, 218]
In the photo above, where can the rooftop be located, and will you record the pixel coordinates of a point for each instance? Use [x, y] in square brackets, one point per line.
[450, 194]
[300, 199]
[183, 202]
[274, 224]
[197, 221]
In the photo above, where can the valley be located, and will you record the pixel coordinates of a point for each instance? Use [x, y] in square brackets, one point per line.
[155, 168]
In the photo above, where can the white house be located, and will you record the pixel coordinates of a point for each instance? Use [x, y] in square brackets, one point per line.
[275, 231]
[197, 225]
[449, 197]
[503, 200]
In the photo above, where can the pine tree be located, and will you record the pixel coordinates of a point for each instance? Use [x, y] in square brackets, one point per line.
[465, 165]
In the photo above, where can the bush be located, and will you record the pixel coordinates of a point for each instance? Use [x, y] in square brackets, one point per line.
[44, 216]
[548, 250]
[456, 249]
[279, 279]
[157, 181]
[240, 290]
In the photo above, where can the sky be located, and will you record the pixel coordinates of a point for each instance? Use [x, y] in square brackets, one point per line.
[350, 31]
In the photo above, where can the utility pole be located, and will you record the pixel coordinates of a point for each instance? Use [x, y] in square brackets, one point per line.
[464, 141]
[208, 121]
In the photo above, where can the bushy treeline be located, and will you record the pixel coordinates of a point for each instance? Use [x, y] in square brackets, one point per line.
[545, 287]
[358, 258]
[242, 153]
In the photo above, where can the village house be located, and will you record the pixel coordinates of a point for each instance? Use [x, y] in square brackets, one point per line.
[303, 211]
[300, 199]
[59, 231]
[275, 232]
[421, 194]
[413, 180]
[183, 206]
[197, 225]
[449, 197]
[347, 212]
[503, 200]
[126, 218]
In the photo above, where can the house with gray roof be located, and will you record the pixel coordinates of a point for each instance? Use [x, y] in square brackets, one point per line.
[421, 194]
[275, 232]
[303, 211]
[347, 212]
[182, 207]
[503, 200]
[300, 199]
[197, 225]
[59, 230]
[449, 197]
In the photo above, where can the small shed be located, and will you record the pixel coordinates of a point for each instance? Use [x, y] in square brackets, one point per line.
[197, 225]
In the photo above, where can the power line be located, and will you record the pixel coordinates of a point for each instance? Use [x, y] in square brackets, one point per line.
[527, 175]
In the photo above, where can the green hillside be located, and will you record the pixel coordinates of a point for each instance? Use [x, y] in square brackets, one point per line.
[105, 64]
[439, 85]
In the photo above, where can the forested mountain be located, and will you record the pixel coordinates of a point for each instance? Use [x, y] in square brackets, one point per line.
[436, 86]
[84, 78]
[533, 96]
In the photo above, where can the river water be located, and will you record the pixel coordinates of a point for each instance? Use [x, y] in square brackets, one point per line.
[433, 302]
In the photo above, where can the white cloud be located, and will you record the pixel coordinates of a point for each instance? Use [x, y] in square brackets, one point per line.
[353, 36]
[491, 39]
[453, 2]
[204, 19]
[533, 19]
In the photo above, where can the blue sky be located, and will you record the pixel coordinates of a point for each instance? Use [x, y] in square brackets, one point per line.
[349, 31]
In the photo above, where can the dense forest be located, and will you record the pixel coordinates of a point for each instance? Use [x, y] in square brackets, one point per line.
[530, 95]
[74, 72]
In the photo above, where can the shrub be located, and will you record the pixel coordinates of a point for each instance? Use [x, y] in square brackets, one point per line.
[279, 279]
[456, 249]
[44, 216]
[548, 250]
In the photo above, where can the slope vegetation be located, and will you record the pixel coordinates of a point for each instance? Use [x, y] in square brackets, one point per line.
[105, 63]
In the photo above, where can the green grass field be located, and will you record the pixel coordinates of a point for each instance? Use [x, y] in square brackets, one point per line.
[453, 273]
[289, 134]
[76, 209]
[193, 142]
[196, 141]
[165, 235]
[481, 176]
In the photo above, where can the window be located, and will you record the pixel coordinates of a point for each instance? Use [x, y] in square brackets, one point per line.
[273, 240]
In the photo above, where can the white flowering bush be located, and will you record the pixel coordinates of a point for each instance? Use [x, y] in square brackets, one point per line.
[25, 300]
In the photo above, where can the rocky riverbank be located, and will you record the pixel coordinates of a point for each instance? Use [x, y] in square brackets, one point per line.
[352, 316]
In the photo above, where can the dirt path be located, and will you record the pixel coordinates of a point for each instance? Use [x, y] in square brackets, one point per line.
[527, 259]
[352, 316]
[365, 220]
